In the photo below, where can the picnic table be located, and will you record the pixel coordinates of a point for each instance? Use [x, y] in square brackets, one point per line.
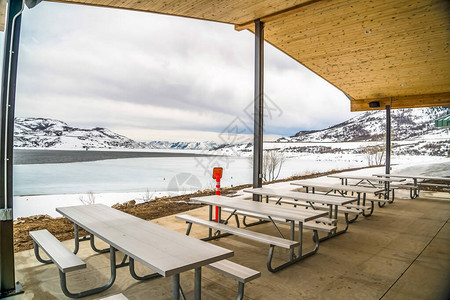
[343, 190]
[414, 189]
[291, 216]
[164, 251]
[372, 181]
[333, 202]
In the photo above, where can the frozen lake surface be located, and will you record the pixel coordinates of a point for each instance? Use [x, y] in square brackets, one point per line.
[153, 173]
[40, 188]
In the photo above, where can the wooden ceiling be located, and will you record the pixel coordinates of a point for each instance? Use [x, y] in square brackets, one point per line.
[392, 51]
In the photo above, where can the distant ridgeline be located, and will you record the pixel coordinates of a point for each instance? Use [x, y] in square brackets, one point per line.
[49, 133]
[413, 133]
[407, 124]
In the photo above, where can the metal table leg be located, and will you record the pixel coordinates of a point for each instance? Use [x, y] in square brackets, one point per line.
[198, 284]
[210, 218]
[63, 280]
[176, 287]
[371, 207]
[300, 238]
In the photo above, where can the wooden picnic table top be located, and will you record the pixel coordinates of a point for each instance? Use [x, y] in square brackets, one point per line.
[318, 198]
[261, 208]
[163, 250]
[414, 177]
[339, 187]
[367, 178]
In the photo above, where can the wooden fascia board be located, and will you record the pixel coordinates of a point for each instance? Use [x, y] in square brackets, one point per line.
[412, 101]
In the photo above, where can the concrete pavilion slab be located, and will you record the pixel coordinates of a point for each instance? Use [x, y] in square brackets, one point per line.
[401, 252]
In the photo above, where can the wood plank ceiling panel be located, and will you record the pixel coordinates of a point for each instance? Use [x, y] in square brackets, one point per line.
[225, 11]
[370, 49]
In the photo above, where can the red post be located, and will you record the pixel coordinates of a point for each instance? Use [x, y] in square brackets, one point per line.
[217, 193]
[217, 174]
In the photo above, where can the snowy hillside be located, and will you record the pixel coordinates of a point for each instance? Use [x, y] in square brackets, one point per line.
[49, 133]
[413, 133]
[407, 124]
[180, 145]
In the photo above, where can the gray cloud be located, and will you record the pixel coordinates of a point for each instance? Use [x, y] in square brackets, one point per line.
[125, 69]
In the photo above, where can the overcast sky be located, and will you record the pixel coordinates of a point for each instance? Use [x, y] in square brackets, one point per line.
[155, 77]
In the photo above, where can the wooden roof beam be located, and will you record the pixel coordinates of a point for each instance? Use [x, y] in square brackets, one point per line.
[412, 101]
[274, 16]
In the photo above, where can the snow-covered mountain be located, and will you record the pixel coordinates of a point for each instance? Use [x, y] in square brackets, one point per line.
[181, 145]
[413, 132]
[49, 133]
[407, 124]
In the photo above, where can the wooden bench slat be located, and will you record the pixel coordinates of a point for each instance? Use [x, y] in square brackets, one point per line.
[433, 184]
[234, 270]
[404, 185]
[381, 185]
[254, 215]
[377, 200]
[299, 203]
[295, 195]
[57, 252]
[356, 206]
[115, 297]
[314, 225]
[325, 220]
[349, 210]
[318, 226]
[319, 206]
[256, 236]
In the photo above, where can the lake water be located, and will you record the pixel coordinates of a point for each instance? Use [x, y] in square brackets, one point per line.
[173, 174]
[41, 186]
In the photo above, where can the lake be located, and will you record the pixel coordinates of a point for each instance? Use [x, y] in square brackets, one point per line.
[49, 172]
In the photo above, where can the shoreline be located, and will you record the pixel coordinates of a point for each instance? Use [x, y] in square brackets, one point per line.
[158, 207]
[56, 156]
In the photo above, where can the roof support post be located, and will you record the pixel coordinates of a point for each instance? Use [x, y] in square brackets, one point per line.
[8, 286]
[258, 113]
[388, 139]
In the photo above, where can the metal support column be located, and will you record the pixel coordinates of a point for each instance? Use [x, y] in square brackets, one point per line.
[388, 139]
[258, 115]
[8, 286]
[387, 187]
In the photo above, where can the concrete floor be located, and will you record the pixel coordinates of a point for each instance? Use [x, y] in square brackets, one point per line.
[401, 252]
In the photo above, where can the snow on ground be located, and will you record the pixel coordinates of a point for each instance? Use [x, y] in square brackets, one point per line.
[33, 205]
[334, 145]
[45, 204]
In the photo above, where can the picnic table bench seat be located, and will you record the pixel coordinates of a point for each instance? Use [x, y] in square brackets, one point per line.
[358, 207]
[390, 190]
[115, 297]
[418, 181]
[433, 184]
[415, 188]
[256, 236]
[380, 200]
[324, 220]
[165, 254]
[296, 218]
[346, 208]
[316, 224]
[272, 241]
[65, 260]
[237, 272]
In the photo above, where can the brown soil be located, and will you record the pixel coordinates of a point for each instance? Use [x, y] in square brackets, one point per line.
[62, 228]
